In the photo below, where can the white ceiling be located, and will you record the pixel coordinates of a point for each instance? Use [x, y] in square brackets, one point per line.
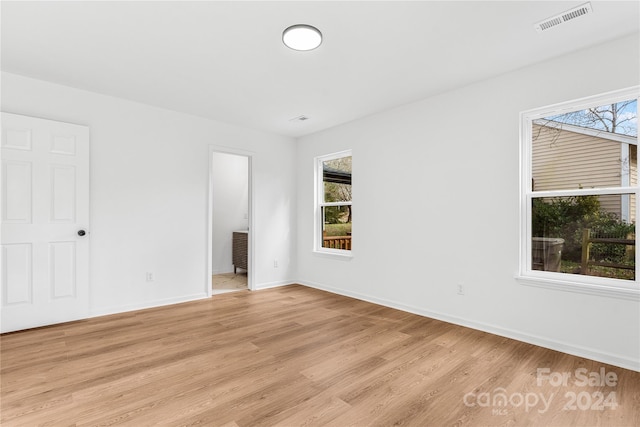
[226, 61]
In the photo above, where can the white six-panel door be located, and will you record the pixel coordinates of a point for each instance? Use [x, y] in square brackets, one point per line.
[45, 222]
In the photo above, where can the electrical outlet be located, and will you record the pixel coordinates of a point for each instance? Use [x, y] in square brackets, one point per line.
[150, 276]
[275, 263]
[460, 289]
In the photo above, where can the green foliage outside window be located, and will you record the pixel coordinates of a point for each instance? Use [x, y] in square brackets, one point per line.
[567, 217]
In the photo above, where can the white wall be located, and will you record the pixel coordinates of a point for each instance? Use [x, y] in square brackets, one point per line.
[230, 206]
[149, 193]
[445, 210]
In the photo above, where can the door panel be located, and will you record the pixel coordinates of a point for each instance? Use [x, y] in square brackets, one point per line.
[16, 263]
[16, 192]
[63, 186]
[62, 257]
[17, 139]
[45, 201]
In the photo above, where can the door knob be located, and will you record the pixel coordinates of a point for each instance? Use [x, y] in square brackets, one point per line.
[81, 233]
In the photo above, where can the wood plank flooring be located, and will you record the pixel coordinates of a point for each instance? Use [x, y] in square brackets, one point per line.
[295, 356]
[229, 281]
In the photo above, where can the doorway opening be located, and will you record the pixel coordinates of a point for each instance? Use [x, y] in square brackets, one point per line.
[230, 259]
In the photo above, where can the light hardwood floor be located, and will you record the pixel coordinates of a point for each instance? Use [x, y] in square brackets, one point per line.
[229, 281]
[295, 356]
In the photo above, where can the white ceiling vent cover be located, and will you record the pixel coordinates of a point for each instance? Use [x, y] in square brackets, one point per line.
[568, 15]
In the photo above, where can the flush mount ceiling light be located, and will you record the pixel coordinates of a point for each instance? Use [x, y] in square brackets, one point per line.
[302, 37]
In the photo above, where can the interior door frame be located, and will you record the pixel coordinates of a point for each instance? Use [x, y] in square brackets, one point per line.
[210, 236]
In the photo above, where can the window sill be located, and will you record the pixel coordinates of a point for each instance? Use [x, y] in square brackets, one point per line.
[578, 287]
[338, 254]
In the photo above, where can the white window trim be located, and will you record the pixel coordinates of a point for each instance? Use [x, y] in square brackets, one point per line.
[592, 285]
[318, 204]
[625, 179]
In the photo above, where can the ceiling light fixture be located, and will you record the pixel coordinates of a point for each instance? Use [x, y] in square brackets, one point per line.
[302, 37]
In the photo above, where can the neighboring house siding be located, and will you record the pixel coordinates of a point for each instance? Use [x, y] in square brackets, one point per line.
[566, 160]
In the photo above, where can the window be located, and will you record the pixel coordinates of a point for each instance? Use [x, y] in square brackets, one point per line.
[579, 187]
[334, 212]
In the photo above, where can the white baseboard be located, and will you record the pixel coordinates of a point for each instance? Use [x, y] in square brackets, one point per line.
[222, 271]
[268, 285]
[589, 353]
[147, 304]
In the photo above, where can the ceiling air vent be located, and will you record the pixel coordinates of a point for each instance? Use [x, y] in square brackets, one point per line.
[568, 15]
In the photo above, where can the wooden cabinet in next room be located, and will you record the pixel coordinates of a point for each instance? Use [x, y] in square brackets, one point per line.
[240, 250]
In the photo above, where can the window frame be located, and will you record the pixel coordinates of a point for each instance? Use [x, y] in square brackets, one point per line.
[319, 203]
[603, 286]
